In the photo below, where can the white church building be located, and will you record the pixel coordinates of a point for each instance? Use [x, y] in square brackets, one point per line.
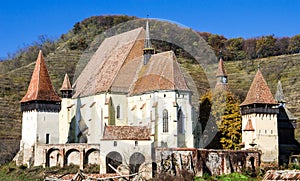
[127, 101]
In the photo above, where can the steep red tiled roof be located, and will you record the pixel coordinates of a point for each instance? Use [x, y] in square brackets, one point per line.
[126, 133]
[66, 84]
[40, 87]
[162, 72]
[259, 92]
[249, 126]
[101, 71]
[221, 69]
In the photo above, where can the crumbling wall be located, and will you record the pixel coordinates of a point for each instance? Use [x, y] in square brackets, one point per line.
[200, 161]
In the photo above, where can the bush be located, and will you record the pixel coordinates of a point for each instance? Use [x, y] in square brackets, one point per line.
[91, 168]
[233, 177]
[23, 167]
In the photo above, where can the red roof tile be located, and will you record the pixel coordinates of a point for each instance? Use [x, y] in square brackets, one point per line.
[40, 87]
[249, 126]
[259, 92]
[66, 84]
[126, 133]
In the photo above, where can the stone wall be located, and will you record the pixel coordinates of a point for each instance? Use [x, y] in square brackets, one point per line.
[200, 161]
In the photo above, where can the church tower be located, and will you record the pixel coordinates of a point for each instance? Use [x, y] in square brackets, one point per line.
[221, 75]
[40, 107]
[148, 50]
[259, 120]
[66, 89]
[64, 115]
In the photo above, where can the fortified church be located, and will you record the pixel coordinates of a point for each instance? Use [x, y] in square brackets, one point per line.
[128, 101]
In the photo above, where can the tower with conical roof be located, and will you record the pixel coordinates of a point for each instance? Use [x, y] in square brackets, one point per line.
[148, 50]
[66, 88]
[222, 78]
[259, 120]
[64, 115]
[40, 107]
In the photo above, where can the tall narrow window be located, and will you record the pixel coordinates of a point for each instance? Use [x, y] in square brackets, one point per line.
[165, 121]
[118, 112]
[47, 138]
[180, 127]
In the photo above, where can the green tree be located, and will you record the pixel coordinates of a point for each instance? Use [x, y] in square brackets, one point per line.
[265, 46]
[250, 48]
[234, 48]
[294, 45]
[225, 114]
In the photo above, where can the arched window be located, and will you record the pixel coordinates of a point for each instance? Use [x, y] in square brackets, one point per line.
[118, 112]
[165, 121]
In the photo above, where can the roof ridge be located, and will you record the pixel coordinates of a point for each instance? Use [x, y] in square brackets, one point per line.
[40, 57]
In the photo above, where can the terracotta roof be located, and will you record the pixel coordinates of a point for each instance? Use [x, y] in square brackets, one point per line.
[126, 133]
[282, 175]
[117, 66]
[40, 87]
[221, 69]
[127, 75]
[162, 72]
[259, 92]
[66, 84]
[102, 69]
[249, 126]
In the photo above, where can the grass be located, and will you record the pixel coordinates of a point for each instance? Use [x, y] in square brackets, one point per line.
[11, 172]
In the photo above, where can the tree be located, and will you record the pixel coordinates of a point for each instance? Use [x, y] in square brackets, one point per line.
[76, 28]
[234, 48]
[294, 45]
[224, 108]
[282, 45]
[265, 46]
[217, 42]
[250, 48]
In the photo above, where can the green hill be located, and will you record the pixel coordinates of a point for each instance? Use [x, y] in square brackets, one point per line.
[63, 56]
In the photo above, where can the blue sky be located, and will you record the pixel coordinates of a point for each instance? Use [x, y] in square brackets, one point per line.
[23, 21]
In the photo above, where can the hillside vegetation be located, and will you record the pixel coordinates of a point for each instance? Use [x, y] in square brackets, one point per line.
[63, 55]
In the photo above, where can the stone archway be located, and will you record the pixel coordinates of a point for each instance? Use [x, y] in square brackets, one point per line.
[135, 161]
[53, 157]
[114, 159]
[91, 156]
[72, 157]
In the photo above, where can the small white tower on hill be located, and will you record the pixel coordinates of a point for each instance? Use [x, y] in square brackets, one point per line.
[259, 120]
[40, 107]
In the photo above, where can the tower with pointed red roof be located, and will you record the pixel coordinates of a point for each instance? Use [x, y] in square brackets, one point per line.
[40, 107]
[259, 120]
[221, 75]
[66, 88]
